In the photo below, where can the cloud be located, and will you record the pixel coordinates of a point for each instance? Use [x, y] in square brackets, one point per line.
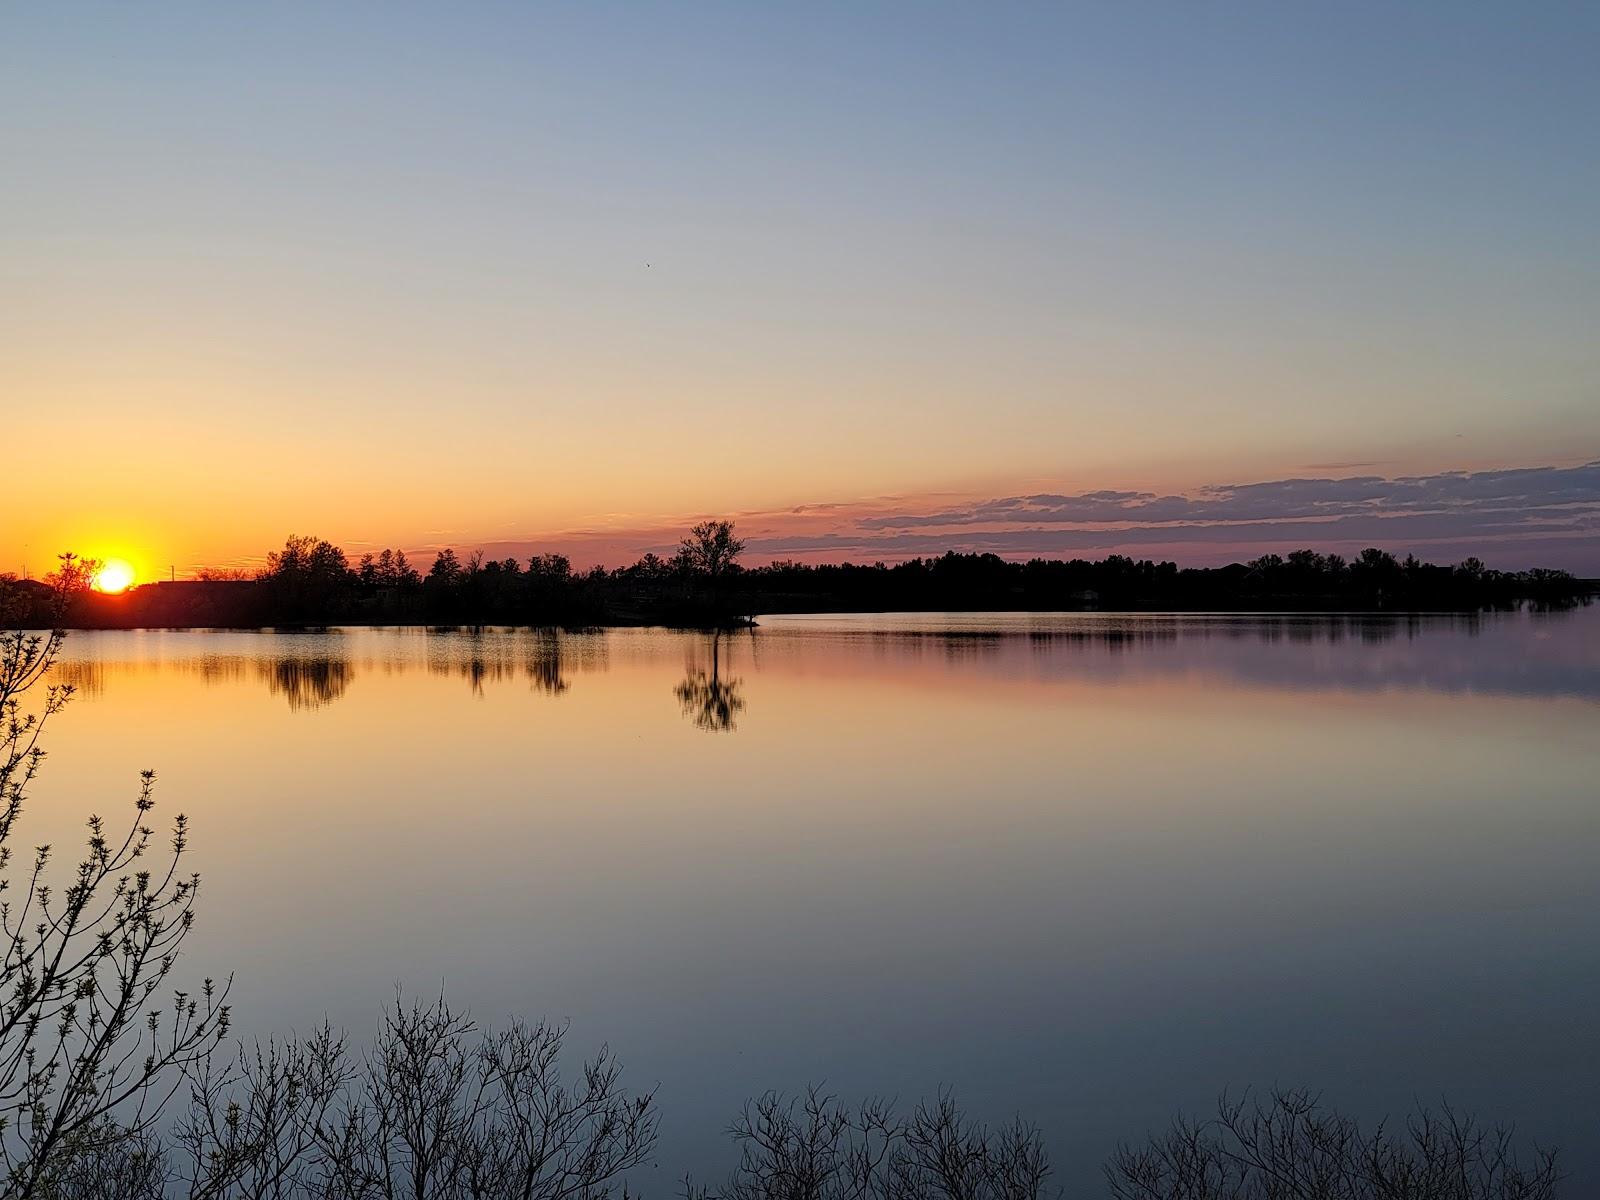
[1511, 517]
[1526, 491]
[1517, 516]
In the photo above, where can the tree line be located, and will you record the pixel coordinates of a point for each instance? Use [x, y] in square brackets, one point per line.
[116, 1084]
[704, 585]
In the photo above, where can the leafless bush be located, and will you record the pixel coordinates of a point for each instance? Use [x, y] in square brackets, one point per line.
[1292, 1148]
[433, 1112]
[814, 1148]
[129, 1166]
[439, 1117]
[255, 1127]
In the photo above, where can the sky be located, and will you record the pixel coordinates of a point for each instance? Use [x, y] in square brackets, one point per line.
[1194, 281]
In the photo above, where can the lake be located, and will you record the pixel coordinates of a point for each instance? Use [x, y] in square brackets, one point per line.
[1086, 867]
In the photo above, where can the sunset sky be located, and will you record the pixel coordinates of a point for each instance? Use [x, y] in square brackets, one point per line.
[1191, 281]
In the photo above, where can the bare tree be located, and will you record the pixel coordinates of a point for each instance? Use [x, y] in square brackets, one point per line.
[254, 1126]
[815, 1148]
[1290, 1147]
[117, 1165]
[87, 1060]
[443, 1118]
[434, 1112]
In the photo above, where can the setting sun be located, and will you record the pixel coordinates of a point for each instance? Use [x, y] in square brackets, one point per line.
[114, 576]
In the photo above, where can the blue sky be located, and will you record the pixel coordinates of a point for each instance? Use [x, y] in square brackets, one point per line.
[316, 262]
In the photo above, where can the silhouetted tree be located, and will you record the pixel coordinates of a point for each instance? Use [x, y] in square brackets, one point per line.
[308, 579]
[711, 549]
[446, 569]
[394, 570]
[550, 568]
[1266, 564]
[1376, 573]
[434, 1112]
[650, 567]
[815, 1148]
[1290, 1146]
[306, 556]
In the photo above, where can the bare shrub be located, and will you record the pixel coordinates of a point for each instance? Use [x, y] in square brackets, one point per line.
[814, 1148]
[1289, 1147]
[434, 1111]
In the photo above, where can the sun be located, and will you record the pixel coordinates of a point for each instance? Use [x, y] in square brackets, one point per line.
[113, 576]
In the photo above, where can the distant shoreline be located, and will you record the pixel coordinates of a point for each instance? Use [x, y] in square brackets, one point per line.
[312, 585]
[754, 621]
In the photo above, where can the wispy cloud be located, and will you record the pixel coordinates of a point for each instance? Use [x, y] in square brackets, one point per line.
[1462, 496]
[1511, 517]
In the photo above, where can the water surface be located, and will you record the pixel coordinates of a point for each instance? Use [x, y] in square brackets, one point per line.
[1089, 868]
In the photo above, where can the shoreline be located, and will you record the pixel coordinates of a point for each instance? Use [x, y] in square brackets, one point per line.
[754, 621]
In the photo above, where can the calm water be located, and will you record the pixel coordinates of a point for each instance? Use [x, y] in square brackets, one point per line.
[1090, 868]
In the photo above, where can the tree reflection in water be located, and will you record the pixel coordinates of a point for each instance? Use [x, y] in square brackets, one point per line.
[710, 701]
[307, 682]
[544, 664]
[539, 655]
